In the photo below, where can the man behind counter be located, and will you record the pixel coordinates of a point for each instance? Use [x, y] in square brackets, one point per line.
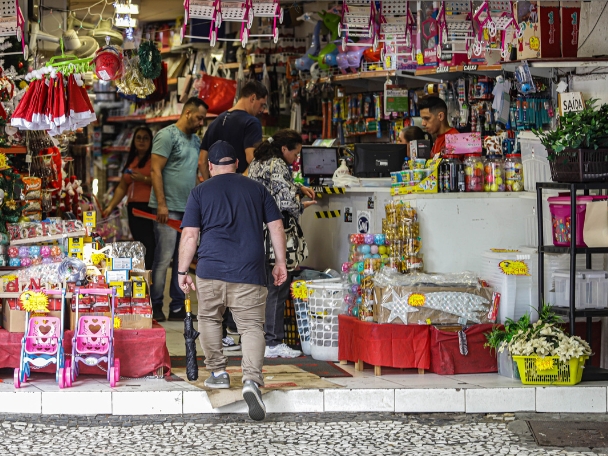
[434, 113]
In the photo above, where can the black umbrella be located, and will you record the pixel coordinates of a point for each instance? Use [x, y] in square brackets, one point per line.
[190, 334]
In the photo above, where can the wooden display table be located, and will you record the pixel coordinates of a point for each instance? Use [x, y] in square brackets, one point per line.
[384, 345]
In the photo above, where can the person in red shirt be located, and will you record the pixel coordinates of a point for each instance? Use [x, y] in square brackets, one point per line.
[137, 184]
[434, 113]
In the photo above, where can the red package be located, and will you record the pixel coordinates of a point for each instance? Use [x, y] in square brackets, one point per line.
[121, 303]
[141, 310]
[100, 307]
[217, 92]
[13, 303]
[123, 311]
[54, 304]
[141, 302]
[71, 287]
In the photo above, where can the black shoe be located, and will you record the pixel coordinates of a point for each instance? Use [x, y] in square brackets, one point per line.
[158, 315]
[180, 315]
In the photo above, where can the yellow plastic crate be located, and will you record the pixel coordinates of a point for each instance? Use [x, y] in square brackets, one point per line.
[549, 370]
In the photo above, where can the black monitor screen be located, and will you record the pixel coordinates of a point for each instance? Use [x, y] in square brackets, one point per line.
[319, 161]
[378, 160]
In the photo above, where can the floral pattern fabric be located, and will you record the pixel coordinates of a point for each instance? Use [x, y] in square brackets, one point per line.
[276, 176]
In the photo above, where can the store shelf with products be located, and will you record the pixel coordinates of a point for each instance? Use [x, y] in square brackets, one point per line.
[131, 118]
[13, 150]
[112, 149]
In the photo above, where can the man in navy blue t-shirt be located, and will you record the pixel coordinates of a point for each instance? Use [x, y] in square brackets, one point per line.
[229, 212]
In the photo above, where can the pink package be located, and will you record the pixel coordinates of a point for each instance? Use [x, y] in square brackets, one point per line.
[559, 206]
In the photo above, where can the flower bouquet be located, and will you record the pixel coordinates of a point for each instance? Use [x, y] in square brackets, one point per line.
[545, 355]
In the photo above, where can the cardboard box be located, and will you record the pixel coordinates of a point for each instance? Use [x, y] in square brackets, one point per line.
[113, 264]
[570, 21]
[550, 29]
[14, 320]
[139, 287]
[117, 276]
[420, 148]
[135, 321]
[428, 185]
[529, 45]
[425, 315]
[123, 289]
[147, 276]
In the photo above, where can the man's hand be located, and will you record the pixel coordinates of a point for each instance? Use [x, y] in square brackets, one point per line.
[162, 214]
[307, 191]
[106, 212]
[308, 203]
[279, 272]
[185, 283]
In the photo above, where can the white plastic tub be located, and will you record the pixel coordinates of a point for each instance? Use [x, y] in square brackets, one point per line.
[591, 289]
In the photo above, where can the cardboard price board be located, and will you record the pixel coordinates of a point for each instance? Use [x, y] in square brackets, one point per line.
[397, 99]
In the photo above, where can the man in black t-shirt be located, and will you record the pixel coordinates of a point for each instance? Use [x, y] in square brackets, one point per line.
[229, 212]
[238, 126]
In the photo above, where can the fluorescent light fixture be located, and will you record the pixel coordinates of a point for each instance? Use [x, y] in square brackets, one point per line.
[125, 22]
[131, 8]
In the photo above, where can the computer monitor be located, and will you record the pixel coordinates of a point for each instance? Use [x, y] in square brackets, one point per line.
[378, 160]
[319, 162]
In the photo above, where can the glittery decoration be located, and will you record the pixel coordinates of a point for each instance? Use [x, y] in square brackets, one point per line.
[398, 307]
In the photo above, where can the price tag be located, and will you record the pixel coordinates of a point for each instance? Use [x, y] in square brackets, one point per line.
[442, 69]
[469, 68]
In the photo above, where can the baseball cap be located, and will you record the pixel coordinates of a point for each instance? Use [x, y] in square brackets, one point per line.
[220, 150]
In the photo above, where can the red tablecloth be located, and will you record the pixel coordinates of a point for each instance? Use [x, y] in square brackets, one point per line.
[445, 352]
[141, 351]
[387, 345]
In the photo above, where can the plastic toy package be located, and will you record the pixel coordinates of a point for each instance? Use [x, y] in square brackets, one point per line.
[48, 230]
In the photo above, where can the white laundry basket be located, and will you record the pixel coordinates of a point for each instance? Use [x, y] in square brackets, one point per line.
[325, 303]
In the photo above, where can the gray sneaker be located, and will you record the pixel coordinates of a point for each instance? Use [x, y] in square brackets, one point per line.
[222, 381]
[253, 397]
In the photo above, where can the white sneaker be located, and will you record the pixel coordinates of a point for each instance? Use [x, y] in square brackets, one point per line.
[281, 351]
[229, 344]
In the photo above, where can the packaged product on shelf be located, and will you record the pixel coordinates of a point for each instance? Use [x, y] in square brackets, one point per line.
[35, 232]
[514, 175]
[494, 174]
[473, 173]
[422, 177]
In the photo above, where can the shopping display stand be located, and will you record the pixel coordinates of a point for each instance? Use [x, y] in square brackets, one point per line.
[571, 312]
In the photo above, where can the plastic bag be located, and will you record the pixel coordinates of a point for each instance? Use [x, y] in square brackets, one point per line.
[217, 92]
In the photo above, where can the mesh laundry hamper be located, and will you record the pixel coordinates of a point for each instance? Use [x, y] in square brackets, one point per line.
[299, 294]
[325, 303]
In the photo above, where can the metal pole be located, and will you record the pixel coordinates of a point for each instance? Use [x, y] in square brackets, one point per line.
[572, 255]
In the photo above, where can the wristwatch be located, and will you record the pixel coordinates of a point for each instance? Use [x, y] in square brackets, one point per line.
[182, 273]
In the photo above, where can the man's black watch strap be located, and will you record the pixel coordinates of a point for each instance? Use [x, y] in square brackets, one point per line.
[182, 273]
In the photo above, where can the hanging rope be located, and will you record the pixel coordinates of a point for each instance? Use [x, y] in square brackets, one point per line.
[149, 60]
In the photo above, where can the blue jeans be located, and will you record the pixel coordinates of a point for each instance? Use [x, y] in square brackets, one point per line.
[167, 248]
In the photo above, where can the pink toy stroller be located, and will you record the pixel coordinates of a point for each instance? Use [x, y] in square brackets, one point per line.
[93, 341]
[42, 344]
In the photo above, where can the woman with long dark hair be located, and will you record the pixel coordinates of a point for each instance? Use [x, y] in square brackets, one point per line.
[270, 167]
[136, 183]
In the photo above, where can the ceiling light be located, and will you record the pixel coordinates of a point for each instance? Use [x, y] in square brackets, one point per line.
[123, 8]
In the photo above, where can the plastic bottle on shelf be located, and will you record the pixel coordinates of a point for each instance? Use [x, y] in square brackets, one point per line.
[494, 180]
[514, 174]
[473, 170]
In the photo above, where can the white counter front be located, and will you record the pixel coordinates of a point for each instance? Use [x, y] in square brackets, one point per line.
[455, 227]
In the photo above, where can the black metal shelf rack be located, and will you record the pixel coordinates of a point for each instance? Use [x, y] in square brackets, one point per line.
[571, 312]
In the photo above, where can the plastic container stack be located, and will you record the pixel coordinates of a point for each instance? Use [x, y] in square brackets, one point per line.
[534, 160]
[591, 289]
[518, 293]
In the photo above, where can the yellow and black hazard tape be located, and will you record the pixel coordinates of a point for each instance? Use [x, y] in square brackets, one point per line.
[320, 190]
[327, 214]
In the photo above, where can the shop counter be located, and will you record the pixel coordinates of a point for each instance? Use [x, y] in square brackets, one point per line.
[141, 352]
[455, 228]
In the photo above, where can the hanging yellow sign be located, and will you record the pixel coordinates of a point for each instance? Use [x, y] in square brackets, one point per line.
[34, 301]
[512, 267]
